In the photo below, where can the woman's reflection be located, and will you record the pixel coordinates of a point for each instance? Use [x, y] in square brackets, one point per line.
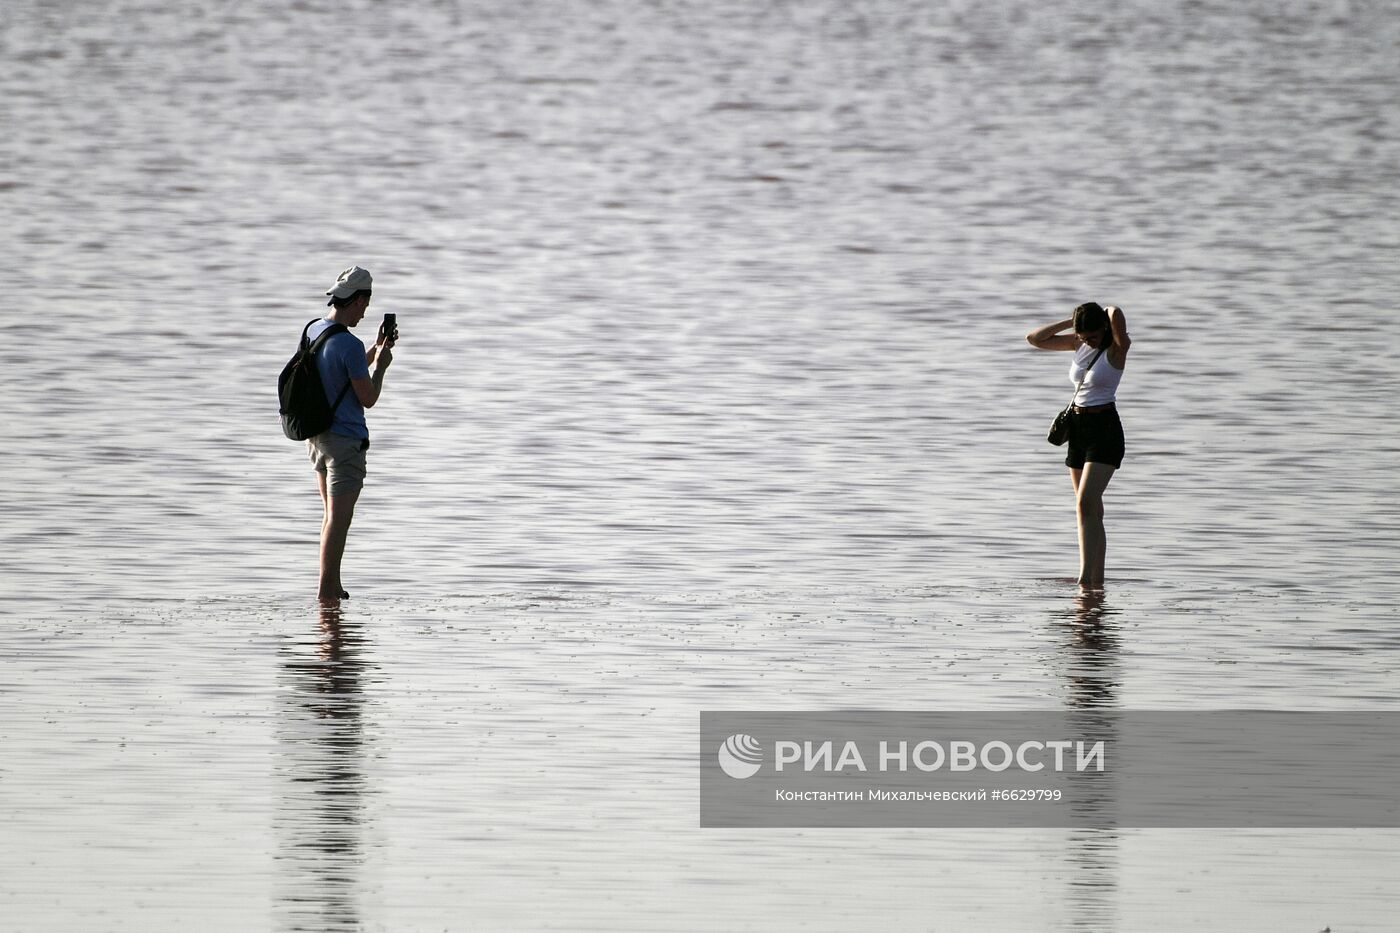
[1090, 640]
[1090, 656]
[321, 739]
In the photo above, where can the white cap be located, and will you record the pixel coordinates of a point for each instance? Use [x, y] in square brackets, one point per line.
[352, 280]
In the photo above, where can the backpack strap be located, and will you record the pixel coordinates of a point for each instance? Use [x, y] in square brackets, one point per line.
[313, 346]
[321, 338]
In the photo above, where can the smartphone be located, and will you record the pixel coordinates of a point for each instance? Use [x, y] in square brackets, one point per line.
[390, 329]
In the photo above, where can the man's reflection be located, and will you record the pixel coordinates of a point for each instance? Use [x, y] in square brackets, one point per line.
[319, 819]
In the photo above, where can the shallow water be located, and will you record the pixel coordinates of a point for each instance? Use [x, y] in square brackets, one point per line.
[525, 760]
[712, 394]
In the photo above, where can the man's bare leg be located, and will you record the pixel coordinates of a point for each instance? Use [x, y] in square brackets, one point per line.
[335, 527]
[325, 503]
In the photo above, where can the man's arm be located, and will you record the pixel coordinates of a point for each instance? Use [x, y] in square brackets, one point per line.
[368, 390]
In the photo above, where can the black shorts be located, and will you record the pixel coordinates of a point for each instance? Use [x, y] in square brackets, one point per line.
[1095, 436]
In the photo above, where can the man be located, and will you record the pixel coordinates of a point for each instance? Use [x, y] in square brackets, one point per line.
[338, 453]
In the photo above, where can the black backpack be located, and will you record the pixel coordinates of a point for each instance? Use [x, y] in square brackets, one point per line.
[305, 412]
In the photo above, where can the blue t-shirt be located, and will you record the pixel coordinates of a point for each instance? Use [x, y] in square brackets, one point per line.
[340, 359]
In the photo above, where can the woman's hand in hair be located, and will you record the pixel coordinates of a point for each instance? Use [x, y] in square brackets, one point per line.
[1050, 337]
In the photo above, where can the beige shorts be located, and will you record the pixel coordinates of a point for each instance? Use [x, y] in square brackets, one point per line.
[341, 458]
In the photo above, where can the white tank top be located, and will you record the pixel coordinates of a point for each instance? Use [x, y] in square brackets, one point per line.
[1101, 385]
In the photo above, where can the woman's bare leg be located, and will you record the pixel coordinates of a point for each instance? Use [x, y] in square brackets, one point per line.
[1089, 486]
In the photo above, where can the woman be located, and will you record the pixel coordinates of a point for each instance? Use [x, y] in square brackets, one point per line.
[1095, 433]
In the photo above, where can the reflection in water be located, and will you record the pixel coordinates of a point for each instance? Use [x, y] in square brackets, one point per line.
[1090, 650]
[319, 819]
[1092, 889]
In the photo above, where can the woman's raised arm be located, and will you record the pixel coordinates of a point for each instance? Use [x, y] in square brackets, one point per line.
[1050, 338]
[1121, 341]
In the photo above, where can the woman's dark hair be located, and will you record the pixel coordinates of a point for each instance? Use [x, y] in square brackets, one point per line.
[342, 302]
[1090, 318]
